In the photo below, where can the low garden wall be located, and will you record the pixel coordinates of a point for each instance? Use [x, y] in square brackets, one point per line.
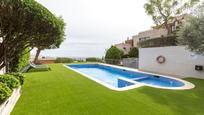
[8, 105]
[178, 61]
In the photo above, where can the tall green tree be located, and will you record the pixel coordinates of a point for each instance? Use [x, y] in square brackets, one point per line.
[59, 38]
[24, 24]
[191, 32]
[113, 53]
[163, 11]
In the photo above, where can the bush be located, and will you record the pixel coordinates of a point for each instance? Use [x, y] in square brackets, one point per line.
[113, 55]
[64, 60]
[19, 76]
[92, 59]
[134, 52]
[10, 81]
[5, 92]
[125, 56]
[20, 61]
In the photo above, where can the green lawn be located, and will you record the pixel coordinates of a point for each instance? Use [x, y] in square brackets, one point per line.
[64, 92]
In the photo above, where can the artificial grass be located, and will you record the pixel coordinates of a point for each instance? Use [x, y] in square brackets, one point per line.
[64, 92]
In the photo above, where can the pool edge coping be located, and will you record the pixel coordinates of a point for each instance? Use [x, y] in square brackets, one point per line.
[187, 85]
[136, 85]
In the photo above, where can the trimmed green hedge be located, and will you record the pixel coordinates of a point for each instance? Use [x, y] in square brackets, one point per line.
[7, 83]
[92, 59]
[64, 60]
[18, 76]
[10, 81]
[5, 92]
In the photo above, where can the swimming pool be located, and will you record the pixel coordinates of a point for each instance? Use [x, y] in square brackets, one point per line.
[120, 78]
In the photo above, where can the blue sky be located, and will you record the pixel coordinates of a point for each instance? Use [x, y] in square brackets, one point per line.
[92, 26]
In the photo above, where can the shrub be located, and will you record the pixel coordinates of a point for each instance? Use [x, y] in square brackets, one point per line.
[5, 92]
[125, 56]
[134, 52]
[10, 81]
[92, 59]
[20, 61]
[19, 76]
[113, 55]
[64, 60]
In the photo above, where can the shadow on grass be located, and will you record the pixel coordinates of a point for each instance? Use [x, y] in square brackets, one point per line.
[190, 102]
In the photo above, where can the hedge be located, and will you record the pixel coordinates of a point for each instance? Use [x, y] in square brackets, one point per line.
[64, 60]
[5, 92]
[20, 61]
[10, 81]
[7, 83]
[92, 59]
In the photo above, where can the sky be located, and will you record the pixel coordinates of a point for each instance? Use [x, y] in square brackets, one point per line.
[92, 26]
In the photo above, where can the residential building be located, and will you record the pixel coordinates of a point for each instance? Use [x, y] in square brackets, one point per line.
[157, 33]
[149, 34]
[126, 46]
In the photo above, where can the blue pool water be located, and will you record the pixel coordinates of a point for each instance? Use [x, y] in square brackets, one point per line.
[112, 76]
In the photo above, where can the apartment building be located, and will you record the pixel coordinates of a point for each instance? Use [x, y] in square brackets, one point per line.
[157, 33]
[149, 34]
[126, 46]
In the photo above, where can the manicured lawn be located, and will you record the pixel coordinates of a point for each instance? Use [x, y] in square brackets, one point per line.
[64, 92]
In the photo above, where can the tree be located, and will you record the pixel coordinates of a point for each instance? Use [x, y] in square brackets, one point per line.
[24, 24]
[58, 40]
[134, 52]
[164, 11]
[192, 31]
[113, 55]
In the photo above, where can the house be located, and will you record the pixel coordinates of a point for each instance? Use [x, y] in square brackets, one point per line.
[157, 33]
[149, 34]
[126, 46]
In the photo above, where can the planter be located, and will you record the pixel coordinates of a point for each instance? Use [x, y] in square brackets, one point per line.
[8, 105]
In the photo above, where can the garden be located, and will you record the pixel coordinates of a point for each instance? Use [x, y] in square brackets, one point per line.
[63, 91]
[26, 25]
